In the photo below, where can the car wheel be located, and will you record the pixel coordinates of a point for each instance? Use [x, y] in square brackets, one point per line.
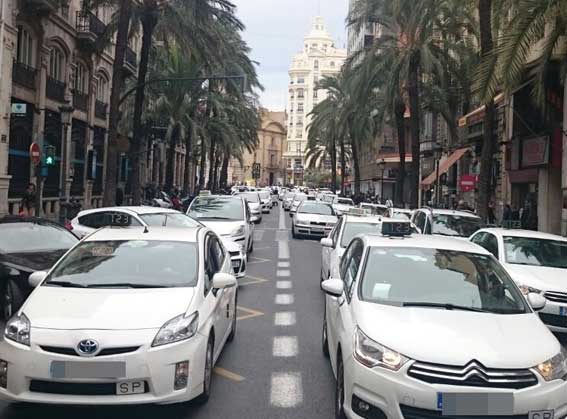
[208, 374]
[12, 299]
[340, 390]
[325, 340]
[233, 326]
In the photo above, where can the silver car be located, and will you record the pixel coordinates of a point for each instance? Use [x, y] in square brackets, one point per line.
[255, 205]
[297, 200]
[313, 219]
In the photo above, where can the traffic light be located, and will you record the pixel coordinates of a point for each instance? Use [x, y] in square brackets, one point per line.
[49, 155]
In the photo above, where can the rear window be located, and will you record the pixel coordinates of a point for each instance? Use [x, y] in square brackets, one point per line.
[34, 237]
[169, 220]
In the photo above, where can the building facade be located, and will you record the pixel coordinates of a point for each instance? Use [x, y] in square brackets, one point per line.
[268, 154]
[51, 68]
[318, 58]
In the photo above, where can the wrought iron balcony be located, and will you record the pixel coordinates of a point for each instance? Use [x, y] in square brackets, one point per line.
[89, 28]
[80, 100]
[24, 75]
[130, 62]
[100, 109]
[55, 89]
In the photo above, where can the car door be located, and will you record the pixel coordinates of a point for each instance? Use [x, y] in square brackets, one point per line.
[249, 226]
[327, 251]
[224, 296]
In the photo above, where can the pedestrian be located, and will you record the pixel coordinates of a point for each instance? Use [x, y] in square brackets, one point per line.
[119, 196]
[27, 204]
[491, 213]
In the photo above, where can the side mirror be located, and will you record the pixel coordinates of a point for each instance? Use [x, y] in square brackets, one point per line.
[222, 280]
[537, 301]
[333, 287]
[327, 242]
[36, 278]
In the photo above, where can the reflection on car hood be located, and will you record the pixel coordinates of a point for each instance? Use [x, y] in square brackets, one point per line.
[540, 277]
[330, 219]
[230, 245]
[254, 206]
[456, 337]
[32, 261]
[223, 228]
[107, 309]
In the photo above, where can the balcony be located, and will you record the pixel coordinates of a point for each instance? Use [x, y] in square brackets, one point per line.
[130, 62]
[24, 75]
[55, 89]
[40, 7]
[100, 109]
[80, 101]
[89, 29]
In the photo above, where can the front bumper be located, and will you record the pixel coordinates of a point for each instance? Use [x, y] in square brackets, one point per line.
[391, 392]
[310, 230]
[29, 368]
[238, 261]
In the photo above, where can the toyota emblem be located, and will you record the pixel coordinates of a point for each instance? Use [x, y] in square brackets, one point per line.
[87, 347]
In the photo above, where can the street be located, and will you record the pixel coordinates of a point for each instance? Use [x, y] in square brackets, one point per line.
[274, 368]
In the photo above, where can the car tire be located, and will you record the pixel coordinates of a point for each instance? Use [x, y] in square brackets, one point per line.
[324, 338]
[340, 389]
[208, 374]
[293, 234]
[12, 299]
[233, 326]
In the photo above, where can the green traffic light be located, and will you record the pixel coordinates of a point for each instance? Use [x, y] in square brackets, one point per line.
[49, 160]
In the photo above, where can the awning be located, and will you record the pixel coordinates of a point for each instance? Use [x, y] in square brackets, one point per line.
[444, 166]
[478, 113]
[393, 158]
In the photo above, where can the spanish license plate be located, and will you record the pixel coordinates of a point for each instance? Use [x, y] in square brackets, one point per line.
[236, 264]
[476, 404]
[81, 370]
[125, 388]
[563, 311]
[541, 414]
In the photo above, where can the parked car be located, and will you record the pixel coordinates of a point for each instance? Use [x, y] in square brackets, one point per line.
[266, 201]
[341, 205]
[254, 204]
[444, 222]
[27, 244]
[313, 219]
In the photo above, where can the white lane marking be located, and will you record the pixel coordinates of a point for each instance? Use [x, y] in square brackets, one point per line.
[283, 264]
[282, 219]
[284, 273]
[283, 285]
[259, 235]
[283, 249]
[286, 389]
[285, 318]
[284, 299]
[285, 346]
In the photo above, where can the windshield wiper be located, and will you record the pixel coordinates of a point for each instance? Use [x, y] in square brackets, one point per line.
[443, 305]
[215, 218]
[66, 284]
[124, 285]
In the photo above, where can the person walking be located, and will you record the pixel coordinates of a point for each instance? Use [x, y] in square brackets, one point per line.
[27, 204]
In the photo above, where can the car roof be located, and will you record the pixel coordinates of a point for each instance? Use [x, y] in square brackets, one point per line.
[523, 233]
[424, 241]
[439, 211]
[370, 204]
[362, 219]
[187, 234]
[132, 210]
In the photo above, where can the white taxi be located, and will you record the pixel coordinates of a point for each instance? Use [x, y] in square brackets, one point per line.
[430, 327]
[127, 316]
[537, 262]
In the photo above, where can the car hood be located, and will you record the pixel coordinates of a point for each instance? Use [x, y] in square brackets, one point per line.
[329, 219]
[540, 277]
[254, 206]
[32, 261]
[223, 228]
[454, 337]
[114, 309]
[230, 244]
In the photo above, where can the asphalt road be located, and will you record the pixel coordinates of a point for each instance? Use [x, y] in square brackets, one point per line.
[274, 368]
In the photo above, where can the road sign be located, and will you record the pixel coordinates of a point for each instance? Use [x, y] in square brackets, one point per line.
[19, 109]
[467, 183]
[35, 154]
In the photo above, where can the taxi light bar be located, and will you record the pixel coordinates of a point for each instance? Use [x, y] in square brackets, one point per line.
[397, 228]
[360, 212]
[205, 193]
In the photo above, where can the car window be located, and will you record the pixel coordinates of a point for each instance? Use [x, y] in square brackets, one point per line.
[34, 237]
[420, 221]
[251, 197]
[478, 238]
[352, 265]
[169, 220]
[535, 252]
[345, 201]
[455, 225]
[353, 229]
[335, 233]
[216, 208]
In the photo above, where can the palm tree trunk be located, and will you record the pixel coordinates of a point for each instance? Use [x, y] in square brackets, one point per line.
[202, 164]
[137, 145]
[224, 171]
[413, 90]
[210, 184]
[343, 166]
[333, 152]
[401, 129]
[356, 165]
[109, 198]
[188, 163]
[216, 173]
[170, 168]
[488, 144]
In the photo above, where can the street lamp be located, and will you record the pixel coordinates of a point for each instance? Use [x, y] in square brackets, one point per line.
[66, 112]
[437, 153]
[381, 164]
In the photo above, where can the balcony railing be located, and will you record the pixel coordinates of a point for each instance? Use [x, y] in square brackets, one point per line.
[55, 89]
[24, 75]
[88, 23]
[80, 101]
[130, 58]
[100, 109]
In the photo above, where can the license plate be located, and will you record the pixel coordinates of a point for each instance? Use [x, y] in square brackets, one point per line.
[80, 370]
[480, 404]
[563, 311]
[236, 264]
[541, 414]
[130, 387]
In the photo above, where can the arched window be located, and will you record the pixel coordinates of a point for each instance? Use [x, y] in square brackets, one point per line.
[26, 47]
[81, 78]
[57, 64]
[316, 64]
[102, 89]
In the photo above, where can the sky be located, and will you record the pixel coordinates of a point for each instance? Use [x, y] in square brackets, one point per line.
[275, 31]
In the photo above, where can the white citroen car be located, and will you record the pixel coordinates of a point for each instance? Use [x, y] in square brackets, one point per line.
[90, 220]
[537, 262]
[432, 327]
[127, 316]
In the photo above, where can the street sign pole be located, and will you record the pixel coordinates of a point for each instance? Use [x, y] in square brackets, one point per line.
[35, 158]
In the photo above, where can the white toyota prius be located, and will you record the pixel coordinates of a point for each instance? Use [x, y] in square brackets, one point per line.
[127, 316]
[431, 327]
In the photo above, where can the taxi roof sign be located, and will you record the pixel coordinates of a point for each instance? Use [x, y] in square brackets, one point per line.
[360, 212]
[396, 228]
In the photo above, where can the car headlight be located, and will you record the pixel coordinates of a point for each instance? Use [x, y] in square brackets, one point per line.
[18, 329]
[527, 289]
[238, 232]
[371, 354]
[554, 368]
[177, 329]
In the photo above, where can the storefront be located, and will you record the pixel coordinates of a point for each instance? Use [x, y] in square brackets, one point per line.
[21, 133]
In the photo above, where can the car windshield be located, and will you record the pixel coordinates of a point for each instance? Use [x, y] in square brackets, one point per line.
[128, 264]
[535, 252]
[264, 195]
[38, 236]
[439, 278]
[374, 209]
[217, 208]
[169, 220]
[252, 197]
[455, 225]
[328, 198]
[300, 197]
[311, 207]
[353, 229]
[345, 201]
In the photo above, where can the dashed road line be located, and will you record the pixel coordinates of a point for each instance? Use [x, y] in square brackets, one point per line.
[286, 389]
[228, 374]
[283, 249]
[283, 264]
[283, 285]
[285, 346]
[285, 318]
[284, 299]
[283, 273]
[282, 219]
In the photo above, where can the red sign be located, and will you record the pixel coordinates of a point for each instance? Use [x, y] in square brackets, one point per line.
[467, 183]
[535, 151]
[35, 154]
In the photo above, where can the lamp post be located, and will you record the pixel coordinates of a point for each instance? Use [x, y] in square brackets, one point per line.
[381, 164]
[437, 153]
[66, 112]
